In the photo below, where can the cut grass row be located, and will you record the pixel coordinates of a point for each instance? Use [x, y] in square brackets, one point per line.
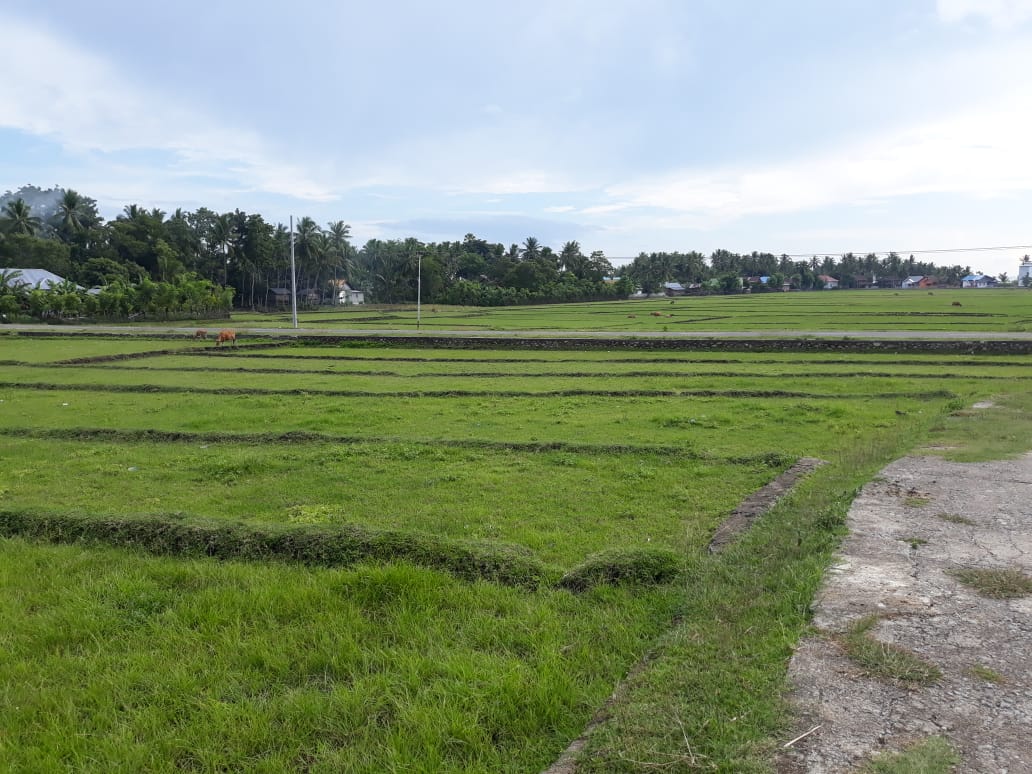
[710, 427]
[561, 506]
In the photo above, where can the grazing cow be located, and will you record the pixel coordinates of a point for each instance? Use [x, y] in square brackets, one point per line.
[956, 303]
[226, 336]
[656, 314]
[201, 334]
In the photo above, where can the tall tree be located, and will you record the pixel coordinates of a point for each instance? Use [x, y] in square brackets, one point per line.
[17, 218]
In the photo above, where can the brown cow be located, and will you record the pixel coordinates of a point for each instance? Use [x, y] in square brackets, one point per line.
[226, 335]
[201, 334]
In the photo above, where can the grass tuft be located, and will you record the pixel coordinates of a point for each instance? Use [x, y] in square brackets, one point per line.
[881, 659]
[933, 755]
[954, 518]
[987, 674]
[1007, 583]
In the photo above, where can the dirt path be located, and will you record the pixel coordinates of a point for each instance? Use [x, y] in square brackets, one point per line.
[921, 519]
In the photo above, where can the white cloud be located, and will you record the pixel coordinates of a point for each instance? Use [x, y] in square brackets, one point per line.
[560, 209]
[76, 98]
[1002, 14]
[983, 152]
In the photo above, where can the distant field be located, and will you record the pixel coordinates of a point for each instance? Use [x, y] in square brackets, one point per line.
[859, 310]
[555, 459]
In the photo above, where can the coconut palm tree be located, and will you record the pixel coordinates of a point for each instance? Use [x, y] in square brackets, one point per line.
[18, 219]
[222, 234]
[71, 217]
[531, 249]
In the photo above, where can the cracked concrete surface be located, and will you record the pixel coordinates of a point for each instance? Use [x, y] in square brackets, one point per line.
[920, 518]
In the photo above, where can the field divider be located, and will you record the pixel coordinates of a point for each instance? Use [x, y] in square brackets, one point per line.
[759, 502]
[251, 355]
[538, 375]
[114, 435]
[300, 391]
[339, 546]
[80, 361]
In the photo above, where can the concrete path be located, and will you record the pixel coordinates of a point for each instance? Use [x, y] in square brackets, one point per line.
[920, 519]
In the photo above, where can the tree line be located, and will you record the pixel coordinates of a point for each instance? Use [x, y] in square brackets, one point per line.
[243, 257]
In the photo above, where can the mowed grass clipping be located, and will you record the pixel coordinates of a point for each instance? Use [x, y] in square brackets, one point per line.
[117, 662]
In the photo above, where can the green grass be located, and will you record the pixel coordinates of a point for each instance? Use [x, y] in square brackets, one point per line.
[983, 672]
[117, 662]
[933, 755]
[860, 310]
[39, 349]
[980, 435]
[995, 583]
[269, 665]
[885, 660]
[559, 505]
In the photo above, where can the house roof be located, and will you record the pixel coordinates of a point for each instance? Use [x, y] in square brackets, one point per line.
[914, 278]
[826, 278]
[34, 278]
[673, 286]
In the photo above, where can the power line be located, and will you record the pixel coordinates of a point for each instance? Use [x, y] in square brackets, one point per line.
[910, 252]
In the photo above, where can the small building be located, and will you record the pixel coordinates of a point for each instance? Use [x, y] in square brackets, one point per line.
[280, 296]
[978, 281]
[674, 289]
[913, 282]
[830, 283]
[345, 295]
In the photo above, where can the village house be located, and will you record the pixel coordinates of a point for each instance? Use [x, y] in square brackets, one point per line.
[830, 283]
[978, 281]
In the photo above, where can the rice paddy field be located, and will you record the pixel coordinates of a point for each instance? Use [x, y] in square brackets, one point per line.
[1004, 309]
[305, 557]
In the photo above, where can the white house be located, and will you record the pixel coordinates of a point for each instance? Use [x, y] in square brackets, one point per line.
[830, 283]
[978, 281]
[347, 295]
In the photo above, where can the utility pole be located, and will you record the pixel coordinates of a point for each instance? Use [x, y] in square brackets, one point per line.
[293, 278]
[419, 288]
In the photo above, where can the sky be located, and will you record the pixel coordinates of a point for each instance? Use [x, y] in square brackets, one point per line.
[801, 127]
